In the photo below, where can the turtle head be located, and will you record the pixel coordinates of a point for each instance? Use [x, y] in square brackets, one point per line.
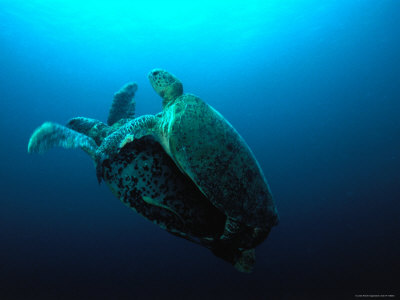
[166, 85]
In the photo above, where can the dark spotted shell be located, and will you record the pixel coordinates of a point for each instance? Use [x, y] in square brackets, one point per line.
[143, 170]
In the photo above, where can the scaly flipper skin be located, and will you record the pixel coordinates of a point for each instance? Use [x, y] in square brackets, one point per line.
[93, 128]
[50, 135]
[123, 106]
[110, 147]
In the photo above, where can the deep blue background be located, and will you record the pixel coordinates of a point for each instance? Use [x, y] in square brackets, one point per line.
[314, 88]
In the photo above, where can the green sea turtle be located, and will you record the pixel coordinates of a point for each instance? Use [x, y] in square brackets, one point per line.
[144, 177]
[206, 148]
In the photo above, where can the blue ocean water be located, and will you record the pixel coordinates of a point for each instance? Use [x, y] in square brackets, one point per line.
[313, 87]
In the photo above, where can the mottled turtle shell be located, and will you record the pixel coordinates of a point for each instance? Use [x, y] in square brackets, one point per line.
[209, 150]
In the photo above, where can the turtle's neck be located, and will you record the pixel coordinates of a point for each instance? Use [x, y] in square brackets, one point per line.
[166, 103]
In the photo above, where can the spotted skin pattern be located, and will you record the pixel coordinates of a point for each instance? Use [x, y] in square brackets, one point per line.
[95, 129]
[141, 171]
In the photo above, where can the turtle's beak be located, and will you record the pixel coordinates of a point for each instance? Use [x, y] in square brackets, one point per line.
[153, 73]
[153, 77]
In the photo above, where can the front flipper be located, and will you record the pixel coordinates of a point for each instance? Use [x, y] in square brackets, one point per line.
[127, 133]
[137, 129]
[51, 135]
[123, 106]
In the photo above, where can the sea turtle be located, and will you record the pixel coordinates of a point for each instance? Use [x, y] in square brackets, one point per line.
[144, 177]
[206, 147]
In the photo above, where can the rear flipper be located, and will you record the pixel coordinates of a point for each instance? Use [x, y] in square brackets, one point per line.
[242, 260]
[123, 106]
[51, 135]
[243, 236]
[92, 128]
[245, 262]
[232, 228]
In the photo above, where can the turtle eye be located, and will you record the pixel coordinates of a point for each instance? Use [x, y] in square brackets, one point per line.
[155, 73]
